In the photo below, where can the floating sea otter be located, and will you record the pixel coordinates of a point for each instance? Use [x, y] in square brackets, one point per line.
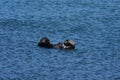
[45, 42]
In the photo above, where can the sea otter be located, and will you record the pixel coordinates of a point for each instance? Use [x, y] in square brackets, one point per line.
[45, 42]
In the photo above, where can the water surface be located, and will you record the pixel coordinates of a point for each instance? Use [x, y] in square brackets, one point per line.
[94, 25]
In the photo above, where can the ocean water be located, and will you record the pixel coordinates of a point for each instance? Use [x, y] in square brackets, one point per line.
[94, 26]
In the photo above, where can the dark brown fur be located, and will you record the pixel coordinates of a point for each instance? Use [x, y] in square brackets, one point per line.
[45, 42]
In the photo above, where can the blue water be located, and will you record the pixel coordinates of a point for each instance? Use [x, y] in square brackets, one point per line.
[94, 25]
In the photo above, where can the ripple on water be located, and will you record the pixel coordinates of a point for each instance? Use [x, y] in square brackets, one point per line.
[94, 28]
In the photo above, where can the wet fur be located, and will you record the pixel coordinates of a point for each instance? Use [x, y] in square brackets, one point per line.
[45, 42]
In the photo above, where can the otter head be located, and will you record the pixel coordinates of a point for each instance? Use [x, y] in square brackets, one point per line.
[45, 42]
[69, 44]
